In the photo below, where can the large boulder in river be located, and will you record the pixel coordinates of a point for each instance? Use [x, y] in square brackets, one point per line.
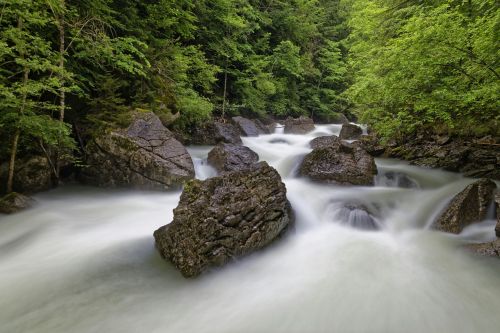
[145, 155]
[345, 164]
[467, 207]
[250, 127]
[225, 217]
[350, 132]
[301, 125]
[15, 202]
[226, 157]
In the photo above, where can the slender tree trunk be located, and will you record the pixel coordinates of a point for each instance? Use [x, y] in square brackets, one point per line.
[62, 91]
[225, 91]
[15, 141]
[12, 163]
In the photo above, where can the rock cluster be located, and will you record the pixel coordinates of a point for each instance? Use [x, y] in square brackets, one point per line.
[225, 217]
[32, 175]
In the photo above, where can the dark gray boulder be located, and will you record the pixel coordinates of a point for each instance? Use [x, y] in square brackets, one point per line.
[226, 157]
[346, 164]
[467, 207]
[225, 132]
[211, 133]
[225, 217]
[301, 125]
[15, 202]
[350, 132]
[145, 155]
[325, 142]
[249, 127]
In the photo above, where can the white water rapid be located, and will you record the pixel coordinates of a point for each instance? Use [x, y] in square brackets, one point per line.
[83, 260]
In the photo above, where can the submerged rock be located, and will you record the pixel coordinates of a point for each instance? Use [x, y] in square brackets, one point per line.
[343, 164]
[491, 249]
[396, 179]
[355, 215]
[15, 202]
[250, 127]
[350, 132]
[226, 157]
[145, 156]
[225, 217]
[301, 125]
[467, 207]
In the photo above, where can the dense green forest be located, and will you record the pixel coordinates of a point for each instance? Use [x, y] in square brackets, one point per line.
[400, 65]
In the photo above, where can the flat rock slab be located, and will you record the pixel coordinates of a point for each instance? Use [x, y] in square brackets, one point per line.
[225, 217]
[467, 207]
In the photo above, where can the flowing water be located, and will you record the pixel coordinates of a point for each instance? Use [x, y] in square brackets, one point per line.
[84, 260]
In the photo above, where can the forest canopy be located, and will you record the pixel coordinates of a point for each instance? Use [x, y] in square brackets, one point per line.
[401, 66]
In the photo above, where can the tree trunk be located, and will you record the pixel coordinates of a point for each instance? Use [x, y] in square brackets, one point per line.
[62, 91]
[15, 141]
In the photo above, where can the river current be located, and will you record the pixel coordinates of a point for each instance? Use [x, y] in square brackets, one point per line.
[83, 260]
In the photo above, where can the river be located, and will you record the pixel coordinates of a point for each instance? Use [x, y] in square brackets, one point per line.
[83, 260]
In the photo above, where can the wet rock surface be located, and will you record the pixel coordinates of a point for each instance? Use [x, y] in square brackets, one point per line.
[350, 132]
[15, 202]
[325, 142]
[301, 125]
[144, 156]
[346, 164]
[225, 217]
[250, 127]
[226, 157]
[491, 249]
[467, 207]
